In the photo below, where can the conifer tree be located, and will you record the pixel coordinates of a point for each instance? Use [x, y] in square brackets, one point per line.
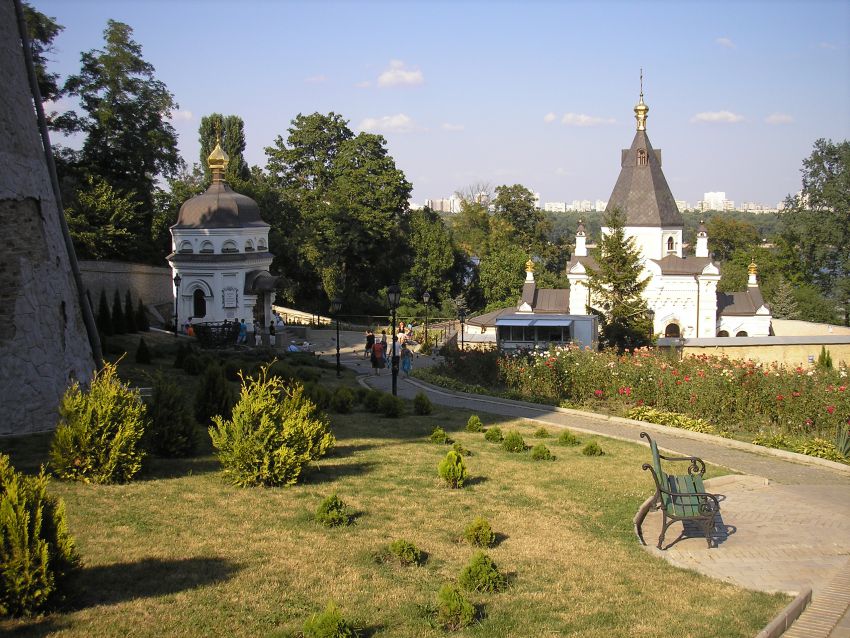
[616, 288]
[119, 326]
[104, 316]
[142, 324]
[129, 313]
[784, 304]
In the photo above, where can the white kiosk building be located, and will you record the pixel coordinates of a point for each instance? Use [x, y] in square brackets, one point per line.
[220, 252]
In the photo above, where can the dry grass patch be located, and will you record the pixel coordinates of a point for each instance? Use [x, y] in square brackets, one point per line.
[182, 553]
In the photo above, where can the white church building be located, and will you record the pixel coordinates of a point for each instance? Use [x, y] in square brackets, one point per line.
[682, 291]
[220, 252]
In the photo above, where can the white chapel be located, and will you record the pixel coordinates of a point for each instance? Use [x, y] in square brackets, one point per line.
[682, 291]
[220, 251]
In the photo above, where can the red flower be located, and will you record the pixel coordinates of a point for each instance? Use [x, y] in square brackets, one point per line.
[640, 402]
[842, 388]
[598, 393]
[830, 408]
[687, 378]
[795, 394]
[809, 422]
[779, 397]
[678, 382]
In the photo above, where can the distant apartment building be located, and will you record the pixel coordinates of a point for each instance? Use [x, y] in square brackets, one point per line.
[682, 205]
[450, 205]
[600, 205]
[716, 201]
[536, 200]
[555, 207]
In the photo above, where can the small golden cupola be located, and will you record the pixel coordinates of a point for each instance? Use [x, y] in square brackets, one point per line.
[218, 161]
[641, 109]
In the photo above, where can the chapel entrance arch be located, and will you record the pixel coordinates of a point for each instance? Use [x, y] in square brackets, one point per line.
[672, 330]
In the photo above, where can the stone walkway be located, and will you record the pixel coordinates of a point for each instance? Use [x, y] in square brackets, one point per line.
[786, 524]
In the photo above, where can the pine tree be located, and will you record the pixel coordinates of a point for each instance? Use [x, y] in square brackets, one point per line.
[129, 313]
[616, 288]
[142, 324]
[784, 304]
[119, 326]
[104, 316]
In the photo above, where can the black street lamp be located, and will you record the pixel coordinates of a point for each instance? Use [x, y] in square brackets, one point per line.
[427, 299]
[177, 279]
[394, 297]
[336, 305]
[461, 314]
[651, 314]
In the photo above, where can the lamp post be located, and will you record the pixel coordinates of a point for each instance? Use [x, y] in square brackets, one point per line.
[651, 314]
[461, 314]
[336, 305]
[394, 297]
[426, 297]
[177, 279]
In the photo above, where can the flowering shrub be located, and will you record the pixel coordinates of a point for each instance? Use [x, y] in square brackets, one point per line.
[736, 396]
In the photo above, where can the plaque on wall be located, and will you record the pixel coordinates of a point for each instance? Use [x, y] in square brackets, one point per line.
[230, 297]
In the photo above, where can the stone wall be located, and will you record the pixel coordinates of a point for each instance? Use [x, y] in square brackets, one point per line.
[43, 340]
[150, 283]
[789, 351]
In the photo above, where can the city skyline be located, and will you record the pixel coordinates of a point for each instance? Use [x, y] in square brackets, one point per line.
[539, 94]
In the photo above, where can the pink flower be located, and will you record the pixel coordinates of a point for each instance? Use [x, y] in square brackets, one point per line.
[842, 388]
[598, 393]
[830, 408]
[809, 422]
[795, 394]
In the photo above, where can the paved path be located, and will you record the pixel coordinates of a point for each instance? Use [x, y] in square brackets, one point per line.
[787, 523]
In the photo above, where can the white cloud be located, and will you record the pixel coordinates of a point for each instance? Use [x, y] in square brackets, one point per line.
[726, 42]
[316, 79]
[779, 118]
[185, 116]
[363, 85]
[580, 119]
[399, 123]
[828, 45]
[726, 117]
[452, 127]
[549, 117]
[398, 75]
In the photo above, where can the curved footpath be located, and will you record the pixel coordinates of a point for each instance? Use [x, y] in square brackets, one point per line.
[786, 517]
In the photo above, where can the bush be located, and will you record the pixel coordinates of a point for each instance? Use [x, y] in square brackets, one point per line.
[452, 470]
[232, 369]
[129, 313]
[372, 400]
[824, 359]
[172, 432]
[568, 438]
[494, 434]
[406, 553]
[193, 364]
[482, 575]
[541, 433]
[99, 432]
[361, 393]
[439, 436]
[143, 354]
[391, 406]
[308, 375]
[592, 449]
[142, 324]
[342, 400]
[180, 354]
[513, 442]
[37, 554]
[453, 610]
[474, 424]
[674, 420]
[104, 316]
[332, 512]
[541, 453]
[329, 624]
[457, 447]
[479, 533]
[214, 396]
[274, 433]
[119, 325]
[422, 404]
[281, 370]
[319, 395]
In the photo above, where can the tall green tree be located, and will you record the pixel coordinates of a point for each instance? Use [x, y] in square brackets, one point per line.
[42, 31]
[231, 128]
[726, 235]
[501, 274]
[515, 205]
[784, 305]
[816, 225]
[471, 227]
[433, 256]
[617, 285]
[100, 220]
[129, 141]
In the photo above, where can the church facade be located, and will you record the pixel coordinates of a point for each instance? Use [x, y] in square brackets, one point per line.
[682, 291]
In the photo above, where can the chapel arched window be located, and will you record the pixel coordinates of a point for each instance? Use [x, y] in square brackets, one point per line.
[670, 244]
[199, 304]
[207, 247]
[641, 157]
[229, 247]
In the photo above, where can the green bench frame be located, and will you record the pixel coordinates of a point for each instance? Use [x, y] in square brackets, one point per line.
[681, 497]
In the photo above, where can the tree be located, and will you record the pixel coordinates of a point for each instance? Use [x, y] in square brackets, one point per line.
[99, 220]
[501, 275]
[433, 256]
[471, 227]
[104, 316]
[129, 313]
[816, 225]
[231, 130]
[41, 31]
[129, 140]
[729, 235]
[119, 324]
[515, 205]
[784, 304]
[616, 287]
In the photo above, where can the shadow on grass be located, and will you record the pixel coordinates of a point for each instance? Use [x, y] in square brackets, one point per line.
[475, 480]
[330, 472]
[161, 468]
[119, 582]
[340, 451]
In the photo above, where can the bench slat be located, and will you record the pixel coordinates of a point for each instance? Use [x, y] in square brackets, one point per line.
[684, 505]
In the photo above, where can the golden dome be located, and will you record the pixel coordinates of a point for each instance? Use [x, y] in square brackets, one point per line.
[753, 269]
[218, 159]
[529, 266]
[641, 109]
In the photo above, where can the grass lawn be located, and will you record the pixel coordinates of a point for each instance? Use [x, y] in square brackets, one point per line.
[178, 552]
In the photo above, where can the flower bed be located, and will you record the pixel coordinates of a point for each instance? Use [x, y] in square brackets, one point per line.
[747, 399]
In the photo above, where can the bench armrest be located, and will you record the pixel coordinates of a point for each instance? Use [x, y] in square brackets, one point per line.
[697, 465]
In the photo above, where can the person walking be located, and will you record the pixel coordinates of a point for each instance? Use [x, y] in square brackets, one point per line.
[243, 333]
[271, 333]
[406, 360]
[370, 342]
[258, 334]
[378, 357]
[384, 346]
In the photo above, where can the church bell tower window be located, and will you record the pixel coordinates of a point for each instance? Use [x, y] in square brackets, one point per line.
[670, 244]
[641, 157]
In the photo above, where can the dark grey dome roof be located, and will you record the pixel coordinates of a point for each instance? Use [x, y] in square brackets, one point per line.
[219, 207]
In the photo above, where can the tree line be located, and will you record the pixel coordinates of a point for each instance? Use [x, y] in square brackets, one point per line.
[341, 224]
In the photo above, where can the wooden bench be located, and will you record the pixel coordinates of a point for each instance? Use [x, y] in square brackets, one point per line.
[680, 497]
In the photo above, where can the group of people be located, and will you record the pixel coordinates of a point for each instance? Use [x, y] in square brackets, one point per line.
[377, 352]
[275, 325]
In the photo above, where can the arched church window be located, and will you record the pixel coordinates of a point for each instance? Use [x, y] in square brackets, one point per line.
[199, 304]
[207, 247]
[185, 247]
[641, 157]
[672, 330]
[249, 246]
[741, 333]
[723, 333]
[229, 247]
[261, 245]
[670, 244]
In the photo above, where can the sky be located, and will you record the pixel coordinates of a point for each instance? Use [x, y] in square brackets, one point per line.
[505, 92]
